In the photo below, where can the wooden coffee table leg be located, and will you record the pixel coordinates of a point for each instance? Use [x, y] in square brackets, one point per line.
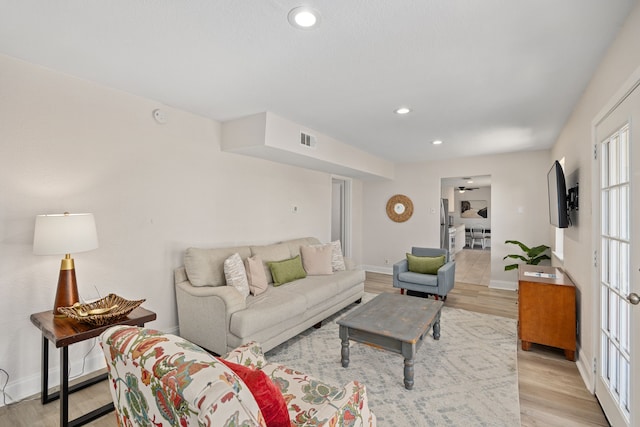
[409, 353]
[436, 328]
[344, 352]
[408, 374]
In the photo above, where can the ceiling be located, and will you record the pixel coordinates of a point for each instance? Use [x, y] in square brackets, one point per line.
[469, 181]
[486, 77]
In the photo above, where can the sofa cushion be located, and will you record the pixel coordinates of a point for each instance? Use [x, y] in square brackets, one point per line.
[205, 267]
[425, 264]
[316, 260]
[235, 274]
[294, 244]
[347, 279]
[271, 308]
[255, 275]
[316, 290]
[418, 278]
[265, 392]
[270, 253]
[287, 270]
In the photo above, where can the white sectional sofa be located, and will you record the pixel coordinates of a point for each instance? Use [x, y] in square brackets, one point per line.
[219, 318]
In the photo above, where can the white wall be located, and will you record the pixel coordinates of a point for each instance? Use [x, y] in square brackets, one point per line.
[575, 144]
[519, 208]
[70, 145]
[271, 137]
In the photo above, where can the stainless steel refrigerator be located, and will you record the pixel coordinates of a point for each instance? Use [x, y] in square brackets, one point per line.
[444, 223]
[447, 232]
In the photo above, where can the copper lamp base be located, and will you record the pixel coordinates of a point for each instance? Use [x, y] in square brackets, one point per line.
[67, 292]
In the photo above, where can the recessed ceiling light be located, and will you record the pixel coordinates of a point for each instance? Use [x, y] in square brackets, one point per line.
[402, 110]
[470, 181]
[304, 17]
[436, 142]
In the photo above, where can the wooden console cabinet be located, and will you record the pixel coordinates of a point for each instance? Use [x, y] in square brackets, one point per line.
[546, 308]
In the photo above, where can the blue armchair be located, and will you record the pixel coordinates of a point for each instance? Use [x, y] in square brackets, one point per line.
[438, 285]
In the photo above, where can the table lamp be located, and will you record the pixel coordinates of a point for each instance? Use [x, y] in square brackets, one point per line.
[60, 234]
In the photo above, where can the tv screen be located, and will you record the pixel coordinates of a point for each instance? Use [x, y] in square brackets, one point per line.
[558, 213]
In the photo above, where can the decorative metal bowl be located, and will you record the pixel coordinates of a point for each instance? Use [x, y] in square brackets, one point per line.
[101, 312]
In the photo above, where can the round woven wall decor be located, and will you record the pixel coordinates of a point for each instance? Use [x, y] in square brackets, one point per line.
[399, 208]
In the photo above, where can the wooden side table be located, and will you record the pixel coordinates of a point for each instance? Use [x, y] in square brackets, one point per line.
[64, 331]
[547, 308]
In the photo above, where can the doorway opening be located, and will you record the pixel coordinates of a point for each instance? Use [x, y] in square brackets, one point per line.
[469, 220]
[341, 213]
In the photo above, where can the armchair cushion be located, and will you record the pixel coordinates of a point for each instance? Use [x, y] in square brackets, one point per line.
[419, 278]
[265, 392]
[425, 264]
[315, 403]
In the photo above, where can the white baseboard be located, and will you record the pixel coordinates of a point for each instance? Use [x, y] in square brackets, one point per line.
[377, 269]
[86, 352]
[585, 369]
[91, 357]
[503, 284]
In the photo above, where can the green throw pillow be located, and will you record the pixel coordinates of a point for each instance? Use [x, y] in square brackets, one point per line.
[425, 264]
[287, 270]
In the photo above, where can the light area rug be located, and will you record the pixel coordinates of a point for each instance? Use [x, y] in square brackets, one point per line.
[467, 378]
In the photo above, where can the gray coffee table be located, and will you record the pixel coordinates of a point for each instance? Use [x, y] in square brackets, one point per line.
[394, 322]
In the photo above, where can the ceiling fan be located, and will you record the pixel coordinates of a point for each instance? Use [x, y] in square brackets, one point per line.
[463, 189]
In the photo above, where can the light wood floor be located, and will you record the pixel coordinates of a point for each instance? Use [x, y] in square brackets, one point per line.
[552, 392]
[473, 267]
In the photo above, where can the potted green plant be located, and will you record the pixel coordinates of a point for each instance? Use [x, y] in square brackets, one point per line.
[532, 256]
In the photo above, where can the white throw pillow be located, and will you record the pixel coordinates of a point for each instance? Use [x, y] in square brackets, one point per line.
[236, 275]
[316, 259]
[337, 260]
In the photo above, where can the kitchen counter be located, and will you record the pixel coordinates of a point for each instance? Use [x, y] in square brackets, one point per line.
[460, 236]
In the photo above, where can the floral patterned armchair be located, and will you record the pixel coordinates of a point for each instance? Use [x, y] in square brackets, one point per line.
[161, 379]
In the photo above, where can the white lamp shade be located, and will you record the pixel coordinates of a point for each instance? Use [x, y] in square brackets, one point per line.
[64, 234]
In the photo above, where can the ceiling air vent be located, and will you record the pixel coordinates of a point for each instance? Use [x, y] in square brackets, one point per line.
[308, 140]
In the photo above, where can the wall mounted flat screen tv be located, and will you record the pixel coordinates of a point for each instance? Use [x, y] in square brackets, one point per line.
[558, 210]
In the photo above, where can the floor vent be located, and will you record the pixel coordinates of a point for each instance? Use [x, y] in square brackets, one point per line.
[308, 140]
